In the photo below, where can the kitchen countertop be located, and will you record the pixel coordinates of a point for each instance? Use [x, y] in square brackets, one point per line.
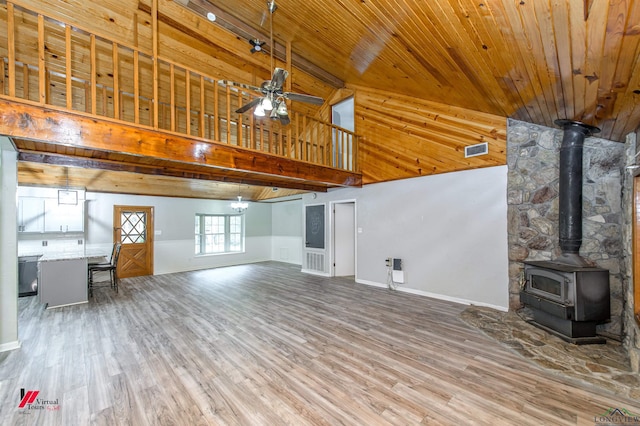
[72, 255]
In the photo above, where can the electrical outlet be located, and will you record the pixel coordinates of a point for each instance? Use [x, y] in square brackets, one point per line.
[44, 243]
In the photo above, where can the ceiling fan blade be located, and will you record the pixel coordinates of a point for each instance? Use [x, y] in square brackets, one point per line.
[304, 98]
[279, 75]
[244, 86]
[247, 107]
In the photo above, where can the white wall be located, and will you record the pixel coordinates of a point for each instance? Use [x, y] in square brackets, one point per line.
[8, 247]
[450, 231]
[286, 231]
[174, 227]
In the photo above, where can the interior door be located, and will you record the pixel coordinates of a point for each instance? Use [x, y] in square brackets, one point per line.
[344, 231]
[133, 227]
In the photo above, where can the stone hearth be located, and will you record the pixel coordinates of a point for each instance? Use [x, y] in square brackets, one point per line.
[606, 366]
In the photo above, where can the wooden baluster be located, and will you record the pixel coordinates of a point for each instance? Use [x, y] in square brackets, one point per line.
[172, 96]
[334, 146]
[289, 142]
[216, 111]
[316, 147]
[252, 131]
[67, 64]
[347, 148]
[136, 88]
[201, 129]
[187, 90]
[295, 137]
[327, 145]
[322, 143]
[3, 85]
[261, 136]
[304, 138]
[47, 87]
[41, 62]
[104, 101]
[93, 73]
[116, 82]
[239, 140]
[154, 36]
[87, 97]
[345, 151]
[228, 114]
[11, 49]
[356, 153]
[272, 145]
[25, 76]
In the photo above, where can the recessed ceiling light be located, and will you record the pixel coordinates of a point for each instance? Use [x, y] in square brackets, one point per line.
[211, 16]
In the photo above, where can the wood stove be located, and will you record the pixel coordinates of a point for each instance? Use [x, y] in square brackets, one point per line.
[567, 300]
[568, 296]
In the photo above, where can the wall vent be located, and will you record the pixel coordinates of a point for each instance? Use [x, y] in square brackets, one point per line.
[475, 150]
[315, 261]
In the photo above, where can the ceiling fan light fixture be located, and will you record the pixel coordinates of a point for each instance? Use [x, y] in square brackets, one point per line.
[274, 114]
[266, 104]
[259, 111]
[282, 108]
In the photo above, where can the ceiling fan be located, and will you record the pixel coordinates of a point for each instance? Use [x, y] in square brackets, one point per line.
[273, 97]
[257, 45]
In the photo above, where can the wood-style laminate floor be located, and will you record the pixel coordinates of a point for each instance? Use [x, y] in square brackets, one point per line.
[263, 344]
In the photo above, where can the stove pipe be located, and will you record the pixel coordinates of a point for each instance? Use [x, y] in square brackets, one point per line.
[570, 197]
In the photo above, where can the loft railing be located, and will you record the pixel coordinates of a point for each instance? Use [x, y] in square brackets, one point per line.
[54, 64]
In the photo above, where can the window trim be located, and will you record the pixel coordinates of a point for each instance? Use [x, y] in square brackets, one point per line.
[227, 234]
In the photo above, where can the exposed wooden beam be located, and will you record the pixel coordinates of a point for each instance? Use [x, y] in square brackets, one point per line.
[161, 170]
[246, 32]
[79, 131]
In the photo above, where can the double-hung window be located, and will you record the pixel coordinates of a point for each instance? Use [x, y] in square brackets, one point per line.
[219, 233]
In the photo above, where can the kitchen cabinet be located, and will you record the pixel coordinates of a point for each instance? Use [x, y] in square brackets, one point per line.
[30, 214]
[39, 211]
[63, 217]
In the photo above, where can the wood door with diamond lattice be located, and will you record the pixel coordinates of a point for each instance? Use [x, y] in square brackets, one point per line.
[133, 227]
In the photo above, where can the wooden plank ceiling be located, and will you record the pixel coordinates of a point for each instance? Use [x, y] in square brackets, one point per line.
[530, 60]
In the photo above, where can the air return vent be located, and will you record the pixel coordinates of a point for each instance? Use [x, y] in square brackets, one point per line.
[475, 150]
[315, 261]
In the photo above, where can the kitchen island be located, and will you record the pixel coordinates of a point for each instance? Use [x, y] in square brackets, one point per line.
[62, 278]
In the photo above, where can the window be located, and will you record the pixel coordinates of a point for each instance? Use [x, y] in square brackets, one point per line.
[219, 233]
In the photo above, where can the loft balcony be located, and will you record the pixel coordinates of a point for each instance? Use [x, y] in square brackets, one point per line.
[70, 97]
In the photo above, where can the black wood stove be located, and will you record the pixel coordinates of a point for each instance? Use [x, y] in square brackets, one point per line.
[568, 296]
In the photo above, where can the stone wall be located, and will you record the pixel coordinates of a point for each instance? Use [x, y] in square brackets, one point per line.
[533, 154]
[631, 330]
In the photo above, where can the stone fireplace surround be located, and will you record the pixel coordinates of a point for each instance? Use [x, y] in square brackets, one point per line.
[532, 197]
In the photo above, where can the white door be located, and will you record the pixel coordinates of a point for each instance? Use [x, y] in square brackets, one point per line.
[344, 239]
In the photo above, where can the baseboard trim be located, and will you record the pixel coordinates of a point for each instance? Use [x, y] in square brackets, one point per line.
[312, 272]
[11, 346]
[435, 295]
